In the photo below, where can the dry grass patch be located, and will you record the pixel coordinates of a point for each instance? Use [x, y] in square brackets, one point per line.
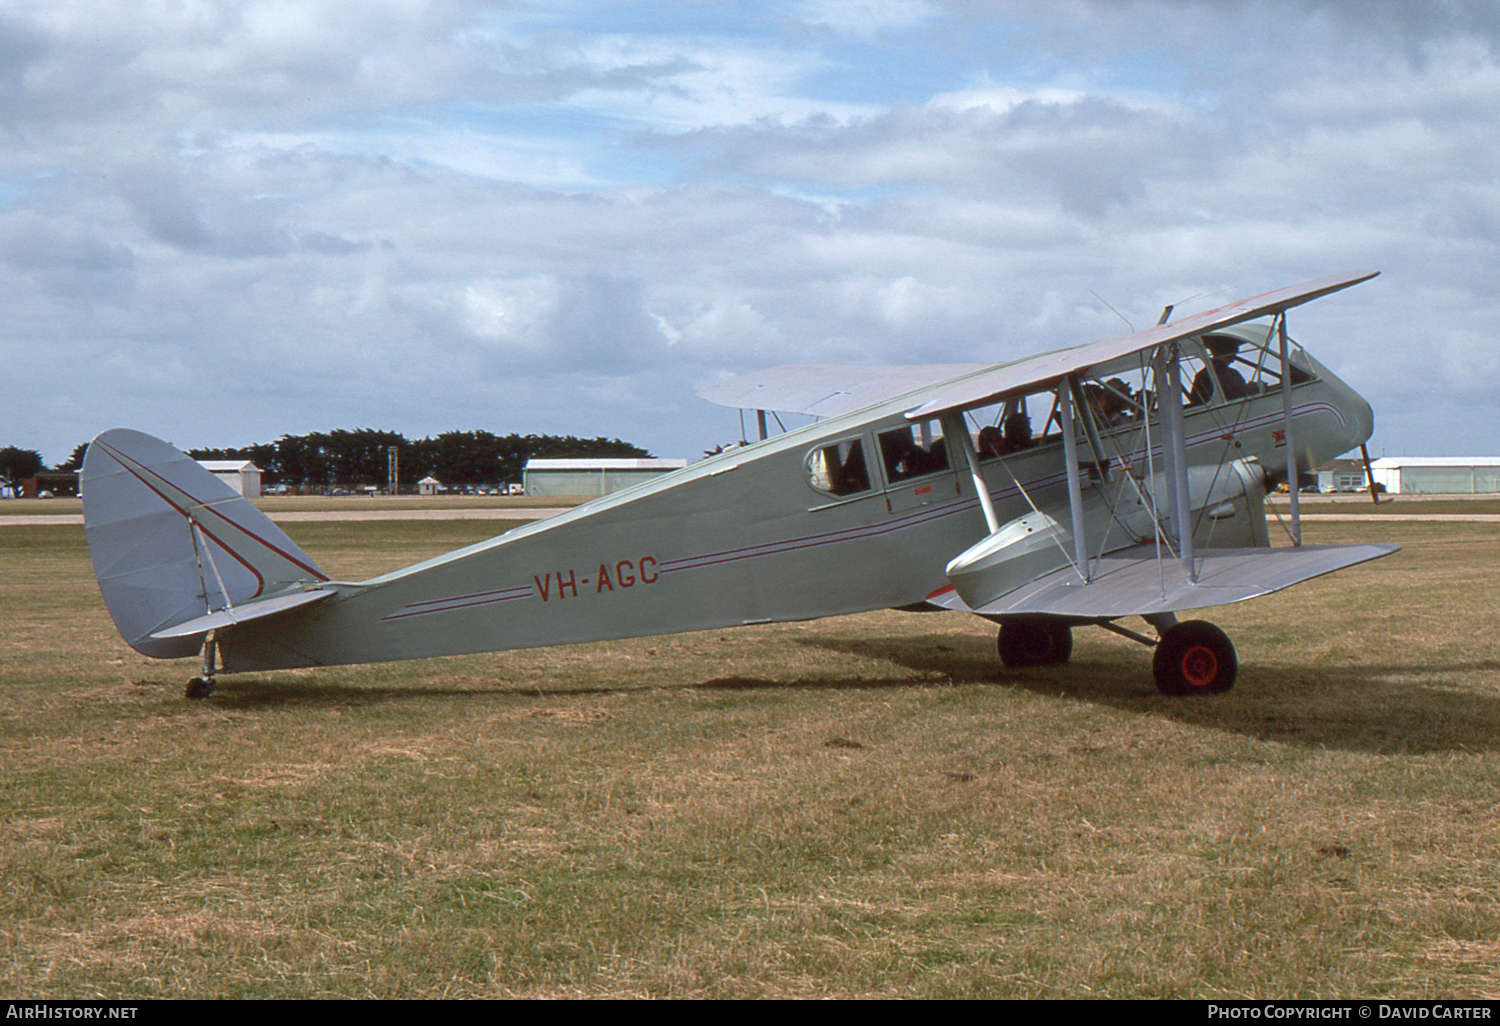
[859, 806]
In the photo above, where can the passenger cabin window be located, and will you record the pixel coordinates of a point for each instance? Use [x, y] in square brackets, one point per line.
[909, 452]
[1019, 423]
[839, 468]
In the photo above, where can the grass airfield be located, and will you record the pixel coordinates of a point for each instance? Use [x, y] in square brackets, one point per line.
[860, 806]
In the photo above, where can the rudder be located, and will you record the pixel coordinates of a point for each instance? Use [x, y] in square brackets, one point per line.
[170, 542]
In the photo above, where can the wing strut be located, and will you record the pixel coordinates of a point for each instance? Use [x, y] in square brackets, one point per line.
[1070, 460]
[1292, 478]
[991, 520]
[956, 427]
[1364, 451]
[1174, 451]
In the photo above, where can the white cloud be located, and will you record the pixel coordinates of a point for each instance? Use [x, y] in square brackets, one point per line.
[866, 18]
[514, 314]
[588, 208]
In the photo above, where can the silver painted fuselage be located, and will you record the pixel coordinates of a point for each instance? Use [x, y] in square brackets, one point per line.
[746, 537]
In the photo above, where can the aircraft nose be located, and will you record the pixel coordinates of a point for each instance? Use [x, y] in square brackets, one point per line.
[1356, 418]
[1361, 418]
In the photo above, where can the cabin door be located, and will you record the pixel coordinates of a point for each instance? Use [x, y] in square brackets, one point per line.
[917, 467]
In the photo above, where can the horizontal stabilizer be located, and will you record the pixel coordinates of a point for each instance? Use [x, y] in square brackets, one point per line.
[1134, 582]
[244, 614]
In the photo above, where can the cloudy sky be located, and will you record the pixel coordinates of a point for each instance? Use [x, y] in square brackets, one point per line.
[223, 221]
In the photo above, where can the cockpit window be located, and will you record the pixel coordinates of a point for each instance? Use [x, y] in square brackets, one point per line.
[1243, 365]
[839, 468]
[1219, 375]
[1229, 365]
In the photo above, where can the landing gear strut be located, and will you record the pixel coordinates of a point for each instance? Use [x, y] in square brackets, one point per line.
[1035, 643]
[202, 685]
[1194, 658]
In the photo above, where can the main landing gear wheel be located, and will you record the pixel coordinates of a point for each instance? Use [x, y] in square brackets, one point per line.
[1035, 643]
[200, 687]
[1194, 658]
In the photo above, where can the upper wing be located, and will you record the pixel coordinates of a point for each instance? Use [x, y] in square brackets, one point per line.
[826, 390]
[1047, 369]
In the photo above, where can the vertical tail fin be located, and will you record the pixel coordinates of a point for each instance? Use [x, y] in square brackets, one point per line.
[171, 543]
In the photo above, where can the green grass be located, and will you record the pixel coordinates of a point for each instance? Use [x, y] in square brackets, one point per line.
[860, 806]
[1359, 504]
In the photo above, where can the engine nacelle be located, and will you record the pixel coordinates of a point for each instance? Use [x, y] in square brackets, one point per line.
[1226, 508]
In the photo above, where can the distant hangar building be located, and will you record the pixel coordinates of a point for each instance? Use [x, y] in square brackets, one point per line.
[1342, 475]
[591, 476]
[241, 475]
[1430, 475]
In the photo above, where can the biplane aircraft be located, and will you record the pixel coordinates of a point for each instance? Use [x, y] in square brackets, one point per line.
[1125, 478]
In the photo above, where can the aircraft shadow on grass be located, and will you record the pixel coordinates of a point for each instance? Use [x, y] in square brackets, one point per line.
[1381, 708]
[250, 692]
[1378, 709]
[255, 693]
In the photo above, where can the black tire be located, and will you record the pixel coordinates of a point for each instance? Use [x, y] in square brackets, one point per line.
[1025, 643]
[1195, 658]
[200, 687]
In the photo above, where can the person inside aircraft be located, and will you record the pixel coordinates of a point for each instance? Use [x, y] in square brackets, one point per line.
[1120, 403]
[904, 457]
[899, 452]
[1017, 435]
[852, 476]
[1107, 403]
[1094, 395]
[991, 442]
[1232, 385]
[937, 457]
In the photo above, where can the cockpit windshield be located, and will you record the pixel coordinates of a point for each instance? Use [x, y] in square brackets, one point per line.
[1227, 366]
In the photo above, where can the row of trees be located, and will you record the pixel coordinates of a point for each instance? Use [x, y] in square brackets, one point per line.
[459, 459]
[324, 460]
[17, 465]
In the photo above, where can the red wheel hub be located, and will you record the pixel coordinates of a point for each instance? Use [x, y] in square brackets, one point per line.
[1199, 666]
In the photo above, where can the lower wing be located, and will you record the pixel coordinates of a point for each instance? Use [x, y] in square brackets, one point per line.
[1136, 582]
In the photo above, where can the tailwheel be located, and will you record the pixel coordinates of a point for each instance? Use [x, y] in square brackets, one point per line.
[1035, 643]
[1194, 658]
[202, 685]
